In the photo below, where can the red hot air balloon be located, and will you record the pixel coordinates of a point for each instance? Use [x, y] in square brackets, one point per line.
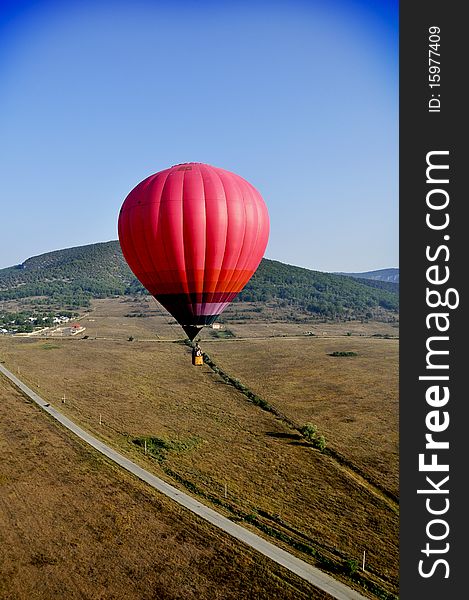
[194, 235]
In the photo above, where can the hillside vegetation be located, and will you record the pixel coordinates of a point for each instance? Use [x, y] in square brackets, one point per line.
[317, 293]
[70, 278]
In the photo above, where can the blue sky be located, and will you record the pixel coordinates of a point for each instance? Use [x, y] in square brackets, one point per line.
[300, 98]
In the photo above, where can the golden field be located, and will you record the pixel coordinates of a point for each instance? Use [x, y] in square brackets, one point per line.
[232, 454]
[75, 526]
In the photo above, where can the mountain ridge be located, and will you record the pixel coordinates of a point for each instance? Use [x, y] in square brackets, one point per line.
[391, 275]
[71, 277]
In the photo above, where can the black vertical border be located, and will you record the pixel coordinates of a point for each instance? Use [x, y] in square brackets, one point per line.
[421, 132]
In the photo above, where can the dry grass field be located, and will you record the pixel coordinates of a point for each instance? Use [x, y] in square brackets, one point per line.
[207, 438]
[353, 400]
[108, 319]
[74, 526]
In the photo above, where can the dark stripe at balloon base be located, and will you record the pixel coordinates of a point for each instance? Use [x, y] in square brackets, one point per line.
[187, 311]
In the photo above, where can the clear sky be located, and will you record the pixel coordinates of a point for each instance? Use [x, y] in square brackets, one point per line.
[299, 98]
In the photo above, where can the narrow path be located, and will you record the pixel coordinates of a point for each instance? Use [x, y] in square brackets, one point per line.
[304, 570]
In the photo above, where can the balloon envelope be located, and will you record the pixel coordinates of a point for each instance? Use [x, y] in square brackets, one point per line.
[194, 235]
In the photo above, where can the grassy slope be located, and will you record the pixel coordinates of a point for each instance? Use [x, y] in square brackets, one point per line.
[352, 400]
[150, 389]
[75, 526]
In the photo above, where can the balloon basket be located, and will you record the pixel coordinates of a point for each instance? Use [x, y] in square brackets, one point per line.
[198, 361]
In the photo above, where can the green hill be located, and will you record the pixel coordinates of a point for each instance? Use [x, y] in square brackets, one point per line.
[318, 293]
[70, 278]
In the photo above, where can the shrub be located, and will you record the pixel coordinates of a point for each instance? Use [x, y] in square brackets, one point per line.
[350, 566]
[320, 443]
[309, 431]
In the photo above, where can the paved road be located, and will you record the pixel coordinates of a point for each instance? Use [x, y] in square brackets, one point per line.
[306, 571]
